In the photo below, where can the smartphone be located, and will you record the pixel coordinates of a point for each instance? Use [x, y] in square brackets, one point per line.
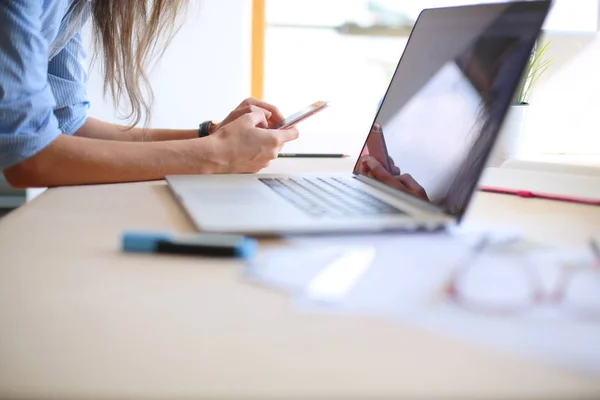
[302, 115]
[376, 146]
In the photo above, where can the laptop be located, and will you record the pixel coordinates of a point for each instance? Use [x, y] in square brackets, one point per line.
[425, 151]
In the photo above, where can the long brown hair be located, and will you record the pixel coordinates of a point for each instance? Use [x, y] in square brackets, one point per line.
[130, 35]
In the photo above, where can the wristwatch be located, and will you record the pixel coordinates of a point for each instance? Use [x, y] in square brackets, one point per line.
[205, 128]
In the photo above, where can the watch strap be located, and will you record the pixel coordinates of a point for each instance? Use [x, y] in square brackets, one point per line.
[204, 129]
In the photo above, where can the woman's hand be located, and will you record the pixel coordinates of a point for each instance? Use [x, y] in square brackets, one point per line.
[245, 146]
[375, 147]
[369, 166]
[272, 113]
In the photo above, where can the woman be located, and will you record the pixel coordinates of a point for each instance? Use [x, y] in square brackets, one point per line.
[46, 138]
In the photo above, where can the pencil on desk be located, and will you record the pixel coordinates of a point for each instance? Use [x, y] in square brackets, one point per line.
[312, 155]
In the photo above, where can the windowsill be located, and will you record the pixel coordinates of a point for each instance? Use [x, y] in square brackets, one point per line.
[592, 160]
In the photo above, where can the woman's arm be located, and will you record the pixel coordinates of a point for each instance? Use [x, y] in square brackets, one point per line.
[243, 146]
[70, 160]
[96, 129]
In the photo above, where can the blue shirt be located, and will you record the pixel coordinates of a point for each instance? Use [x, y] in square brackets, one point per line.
[43, 77]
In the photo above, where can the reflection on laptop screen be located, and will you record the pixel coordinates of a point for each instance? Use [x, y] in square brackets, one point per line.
[447, 100]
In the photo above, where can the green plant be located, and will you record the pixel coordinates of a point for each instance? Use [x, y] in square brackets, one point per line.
[537, 65]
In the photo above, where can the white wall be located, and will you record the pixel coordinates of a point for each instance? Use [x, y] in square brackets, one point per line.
[205, 72]
[565, 112]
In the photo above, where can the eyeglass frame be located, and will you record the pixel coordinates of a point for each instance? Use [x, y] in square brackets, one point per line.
[538, 294]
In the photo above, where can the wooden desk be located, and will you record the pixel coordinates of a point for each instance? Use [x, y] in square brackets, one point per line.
[80, 319]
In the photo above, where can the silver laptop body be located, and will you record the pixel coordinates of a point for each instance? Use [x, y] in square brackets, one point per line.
[426, 149]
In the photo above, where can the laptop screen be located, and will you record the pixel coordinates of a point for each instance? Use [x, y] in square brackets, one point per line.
[448, 98]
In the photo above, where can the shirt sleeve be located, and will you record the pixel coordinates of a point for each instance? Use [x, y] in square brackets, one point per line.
[27, 120]
[68, 79]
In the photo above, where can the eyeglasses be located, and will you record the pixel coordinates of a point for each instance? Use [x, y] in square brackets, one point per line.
[508, 279]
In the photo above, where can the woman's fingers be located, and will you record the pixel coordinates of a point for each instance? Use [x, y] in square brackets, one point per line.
[278, 137]
[403, 182]
[287, 135]
[394, 169]
[276, 115]
[409, 181]
[377, 171]
[248, 110]
[246, 147]
[414, 187]
[257, 118]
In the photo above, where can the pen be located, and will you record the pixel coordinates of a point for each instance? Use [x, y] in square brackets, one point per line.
[204, 244]
[312, 155]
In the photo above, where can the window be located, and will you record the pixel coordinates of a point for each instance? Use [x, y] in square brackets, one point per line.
[345, 51]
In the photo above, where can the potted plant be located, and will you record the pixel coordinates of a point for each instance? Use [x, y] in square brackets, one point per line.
[513, 134]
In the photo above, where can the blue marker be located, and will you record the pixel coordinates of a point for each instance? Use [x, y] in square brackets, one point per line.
[203, 244]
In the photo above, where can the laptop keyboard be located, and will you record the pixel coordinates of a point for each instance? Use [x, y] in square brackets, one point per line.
[329, 197]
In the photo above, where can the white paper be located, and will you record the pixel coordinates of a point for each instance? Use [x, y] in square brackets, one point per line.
[337, 279]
